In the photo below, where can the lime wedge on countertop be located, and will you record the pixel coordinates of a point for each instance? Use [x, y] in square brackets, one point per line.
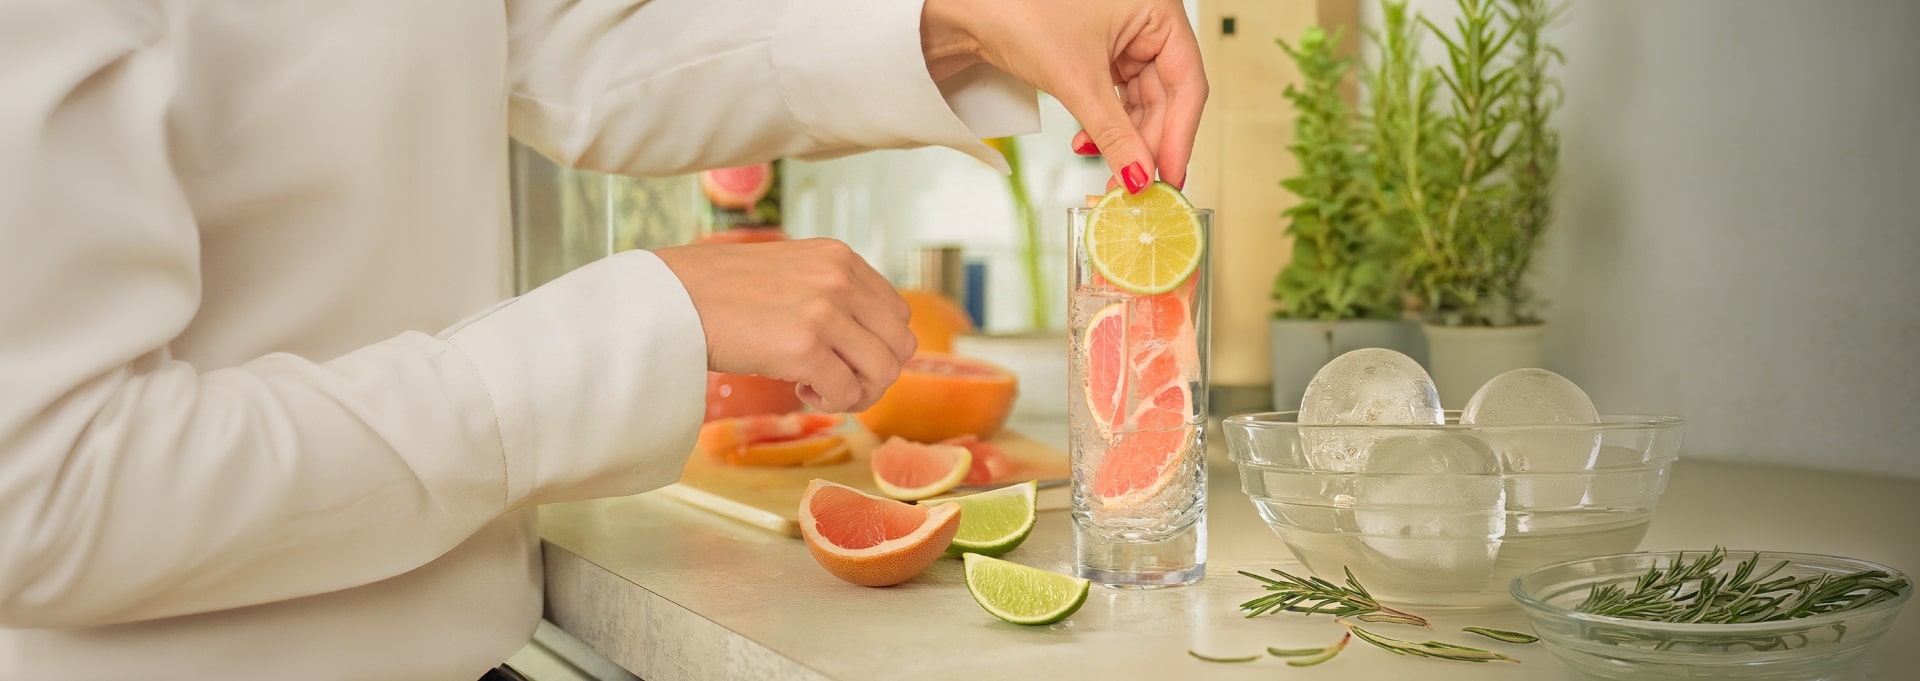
[1020, 594]
[1146, 243]
[994, 522]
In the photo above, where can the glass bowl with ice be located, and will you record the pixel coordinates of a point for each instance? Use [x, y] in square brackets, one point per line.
[1443, 508]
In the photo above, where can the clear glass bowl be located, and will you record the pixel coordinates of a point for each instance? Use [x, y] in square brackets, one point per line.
[1818, 647]
[1493, 503]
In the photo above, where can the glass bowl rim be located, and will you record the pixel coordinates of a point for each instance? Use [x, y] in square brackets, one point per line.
[1528, 603]
[1086, 210]
[1271, 420]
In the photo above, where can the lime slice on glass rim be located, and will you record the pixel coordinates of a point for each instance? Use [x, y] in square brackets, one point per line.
[994, 522]
[1146, 243]
[1020, 594]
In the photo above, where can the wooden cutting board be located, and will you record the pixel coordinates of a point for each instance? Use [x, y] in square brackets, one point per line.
[770, 497]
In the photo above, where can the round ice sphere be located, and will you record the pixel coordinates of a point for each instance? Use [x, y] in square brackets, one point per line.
[1541, 405]
[1369, 386]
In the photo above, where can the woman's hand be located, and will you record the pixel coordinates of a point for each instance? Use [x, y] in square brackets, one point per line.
[808, 311]
[1128, 70]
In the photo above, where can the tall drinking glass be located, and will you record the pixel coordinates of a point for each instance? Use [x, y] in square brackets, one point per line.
[1137, 396]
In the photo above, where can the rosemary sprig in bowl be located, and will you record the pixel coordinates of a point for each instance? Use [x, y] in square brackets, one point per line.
[1718, 614]
[1694, 592]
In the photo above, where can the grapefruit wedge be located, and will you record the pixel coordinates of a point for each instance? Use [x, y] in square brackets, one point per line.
[911, 471]
[872, 541]
[990, 462]
[798, 438]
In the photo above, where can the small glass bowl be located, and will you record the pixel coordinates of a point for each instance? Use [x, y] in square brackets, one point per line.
[1818, 647]
[1529, 495]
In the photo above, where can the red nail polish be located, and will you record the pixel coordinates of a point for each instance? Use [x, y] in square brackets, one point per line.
[1134, 176]
[1087, 149]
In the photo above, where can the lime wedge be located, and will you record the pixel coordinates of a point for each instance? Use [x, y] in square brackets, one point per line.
[1020, 594]
[1146, 243]
[993, 522]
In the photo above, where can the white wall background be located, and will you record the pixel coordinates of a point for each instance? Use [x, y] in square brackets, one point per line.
[1739, 240]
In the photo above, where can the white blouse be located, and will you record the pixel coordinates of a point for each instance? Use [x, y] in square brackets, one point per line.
[244, 431]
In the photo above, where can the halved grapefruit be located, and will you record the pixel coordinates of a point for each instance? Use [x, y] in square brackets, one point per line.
[911, 471]
[737, 188]
[1140, 463]
[940, 396]
[774, 439]
[872, 541]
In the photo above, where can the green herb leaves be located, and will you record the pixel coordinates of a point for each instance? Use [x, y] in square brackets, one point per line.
[1343, 264]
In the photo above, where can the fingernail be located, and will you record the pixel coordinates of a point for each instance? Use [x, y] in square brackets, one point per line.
[1083, 145]
[1181, 185]
[1134, 176]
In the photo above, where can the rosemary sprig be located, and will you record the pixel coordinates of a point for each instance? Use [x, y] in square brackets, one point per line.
[1502, 635]
[1695, 591]
[1433, 649]
[1315, 595]
[1307, 657]
[1210, 658]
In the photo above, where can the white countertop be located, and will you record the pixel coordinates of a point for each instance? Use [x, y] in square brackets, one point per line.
[672, 592]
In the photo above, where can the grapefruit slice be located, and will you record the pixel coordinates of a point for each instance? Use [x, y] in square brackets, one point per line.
[990, 463]
[911, 471]
[1140, 463]
[940, 396]
[872, 541]
[737, 188]
[1105, 343]
[772, 439]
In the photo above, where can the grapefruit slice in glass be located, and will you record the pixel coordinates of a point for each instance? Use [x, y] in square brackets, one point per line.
[1105, 341]
[871, 541]
[1140, 463]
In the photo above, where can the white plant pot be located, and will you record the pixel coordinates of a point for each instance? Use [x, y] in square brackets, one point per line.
[1302, 346]
[1462, 358]
[1038, 359]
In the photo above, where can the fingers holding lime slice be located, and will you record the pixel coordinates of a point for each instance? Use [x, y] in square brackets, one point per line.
[1145, 243]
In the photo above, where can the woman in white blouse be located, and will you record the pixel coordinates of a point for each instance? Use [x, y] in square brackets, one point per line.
[261, 412]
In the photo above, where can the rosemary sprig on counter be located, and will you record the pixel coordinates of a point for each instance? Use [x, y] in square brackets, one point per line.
[1210, 658]
[1307, 657]
[1433, 649]
[1313, 595]
[1695, 591]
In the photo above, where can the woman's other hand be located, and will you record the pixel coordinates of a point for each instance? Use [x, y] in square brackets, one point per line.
[809, 311]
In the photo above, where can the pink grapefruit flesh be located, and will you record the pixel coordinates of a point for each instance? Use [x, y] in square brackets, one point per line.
[908, 470]
[737, 188]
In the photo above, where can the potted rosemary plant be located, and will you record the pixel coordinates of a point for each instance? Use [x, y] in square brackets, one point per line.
[1341, 289]
[1474, 183]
